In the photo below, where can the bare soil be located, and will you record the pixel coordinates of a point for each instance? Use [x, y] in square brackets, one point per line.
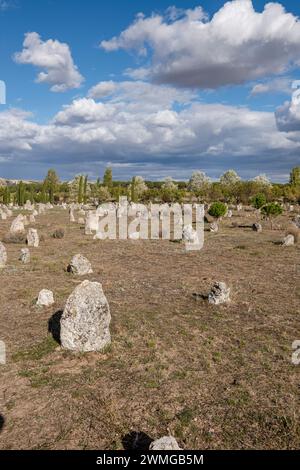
[215, 377]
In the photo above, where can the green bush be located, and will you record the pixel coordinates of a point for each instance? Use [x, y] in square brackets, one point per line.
[217, 210]
[259, 200]
[272, 209]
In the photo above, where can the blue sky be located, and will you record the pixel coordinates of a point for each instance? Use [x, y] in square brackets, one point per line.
[178, 92]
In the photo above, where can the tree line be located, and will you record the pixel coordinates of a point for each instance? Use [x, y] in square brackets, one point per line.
[229, 189]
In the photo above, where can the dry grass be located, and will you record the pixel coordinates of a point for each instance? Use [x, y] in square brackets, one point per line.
[215, 377]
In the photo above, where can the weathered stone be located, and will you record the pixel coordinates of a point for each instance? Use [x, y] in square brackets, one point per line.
[81, 221]
[165, 443]
[86, 318]
[219, 294]
[257, 227]
[3, 255]
[91, 223]
[80, 266]
[25, 256]
[33, 238]
[289, 240]
[17, 225]
[32, 219]
[45, 298]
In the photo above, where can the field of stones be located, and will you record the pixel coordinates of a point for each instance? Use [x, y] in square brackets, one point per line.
[113, 344]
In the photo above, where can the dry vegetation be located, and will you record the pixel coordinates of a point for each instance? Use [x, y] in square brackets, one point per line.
[214, 377]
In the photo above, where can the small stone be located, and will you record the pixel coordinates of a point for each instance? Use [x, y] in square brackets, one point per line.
[219, 294]
[45, 298]
[25, 256]
[84, 325]
[257, 227]
[80, 266]
[214, 227]
[165, 443]
[289, 240]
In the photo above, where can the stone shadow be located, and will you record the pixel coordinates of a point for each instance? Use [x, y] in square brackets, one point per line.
[54, 325]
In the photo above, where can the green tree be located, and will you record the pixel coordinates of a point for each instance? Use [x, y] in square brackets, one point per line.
[85, 187]
[295, 176]
[259, 200]
[271, 210]
[21, 194]
[108, 178]
[80, 189]
[51, 183]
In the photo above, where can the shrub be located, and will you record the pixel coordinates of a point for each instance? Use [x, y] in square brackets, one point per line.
[217, 210]
[272, 209]
[18, 238]
[259, 200]
[59, 233]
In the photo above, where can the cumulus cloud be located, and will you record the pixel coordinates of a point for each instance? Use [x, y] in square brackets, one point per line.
[237, 45]
[140, 128]
[54, 58]
[277, 85]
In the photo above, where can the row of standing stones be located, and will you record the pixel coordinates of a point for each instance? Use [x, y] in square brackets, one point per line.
[85, 322]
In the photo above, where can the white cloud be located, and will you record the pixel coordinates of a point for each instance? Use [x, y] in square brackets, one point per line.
[288, 119]
[132, 131]
[237, 45]
[102, 89]
[277, 85]
[54, 58]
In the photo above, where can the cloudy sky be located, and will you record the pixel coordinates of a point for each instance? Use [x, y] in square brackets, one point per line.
[157, 89]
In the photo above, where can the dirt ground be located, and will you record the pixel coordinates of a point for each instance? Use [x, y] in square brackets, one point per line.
[215, 377]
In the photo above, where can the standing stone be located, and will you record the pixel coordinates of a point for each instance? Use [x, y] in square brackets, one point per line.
[3, 255]
[25, 256]
[214, 227]
[289, 240]
[33, 238]
[32, 219]
[84, 325]
[80, 266]
[45, 298]
[219, 294]
[72, 218]
[257, 227]
[17, 225]
[165, 443]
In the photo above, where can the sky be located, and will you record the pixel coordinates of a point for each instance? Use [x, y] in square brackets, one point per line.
[155, 89]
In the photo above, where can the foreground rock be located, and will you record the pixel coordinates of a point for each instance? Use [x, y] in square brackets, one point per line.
[33, 238]
[219, 294]
[45, 298]
[289, 240]
[25, 256]
[80, 266]
[84, 325]
[3, 255]
[165, 443]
